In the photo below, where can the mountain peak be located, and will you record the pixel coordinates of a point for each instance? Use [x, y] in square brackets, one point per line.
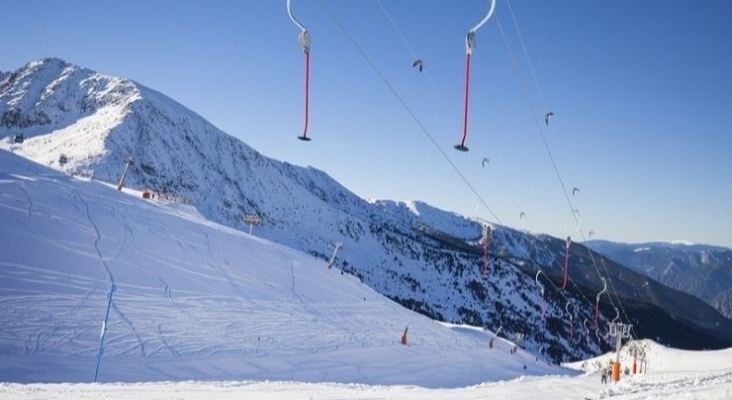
[48, 62]
[51, 94]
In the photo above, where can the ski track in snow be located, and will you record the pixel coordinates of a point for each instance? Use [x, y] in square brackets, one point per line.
[166, 290]
[238, 290]
[20, 273]
[220, 269]
[209, 250]
[126, 234]
[167, 345]
[29, 213]
[139, 343]
[83, 299]
[97, 239]
[293, 292]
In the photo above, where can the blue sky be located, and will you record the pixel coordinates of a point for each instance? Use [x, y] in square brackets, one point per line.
[641, 93]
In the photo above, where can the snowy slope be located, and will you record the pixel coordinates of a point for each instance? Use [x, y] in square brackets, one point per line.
[193, 300]
[427, 259]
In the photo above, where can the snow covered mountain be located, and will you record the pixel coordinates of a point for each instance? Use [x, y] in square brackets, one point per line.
[701, 270]
[87, 124]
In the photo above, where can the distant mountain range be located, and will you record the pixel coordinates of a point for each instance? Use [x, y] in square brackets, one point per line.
[86, 124]
[701, 270]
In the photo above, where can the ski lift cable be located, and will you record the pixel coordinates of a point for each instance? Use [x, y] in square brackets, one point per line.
[602, 261]
[408, 109]
[546, 144]
[436, 86]
[540, 129]
[407, 45]
[526, 54]
[511, 198]
[536, 121]
[613, 290]
[547, 148]
[498, 179]
[607, 275]
[398, 31]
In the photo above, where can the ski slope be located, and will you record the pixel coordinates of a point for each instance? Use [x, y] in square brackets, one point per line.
[192, 300]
